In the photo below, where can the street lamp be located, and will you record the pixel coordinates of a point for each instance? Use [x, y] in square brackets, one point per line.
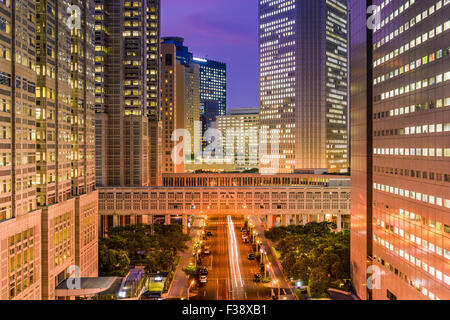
[190, 286]
[277, 282]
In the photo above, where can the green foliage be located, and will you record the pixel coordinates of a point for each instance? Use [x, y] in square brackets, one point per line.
[154, 246]
[313, 254]
[191, 270]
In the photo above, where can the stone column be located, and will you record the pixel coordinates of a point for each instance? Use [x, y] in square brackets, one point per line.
[132, 220]
[185, 223]
[283, 220]
[269, 221]
[339, 222]
[167, 219]
[305, 219]
[115, 220]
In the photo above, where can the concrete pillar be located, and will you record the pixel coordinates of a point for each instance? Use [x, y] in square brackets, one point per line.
[269, 221]
[185, 223]
[167, 219]
[133, 220]
[339, 222]
[284, 220]
[115, 221]
[305, 219]
[321, 218]
[150, 219]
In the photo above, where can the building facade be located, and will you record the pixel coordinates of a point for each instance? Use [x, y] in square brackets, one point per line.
[400, 150]
[303, 82]
[51, 221]
[213, 83]
[281, 200]
[239, 129]
[154, 90]
[122, 48]
[172, 105]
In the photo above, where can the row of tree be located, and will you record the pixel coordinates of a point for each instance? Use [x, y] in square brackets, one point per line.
[314, 254]
[154, 246]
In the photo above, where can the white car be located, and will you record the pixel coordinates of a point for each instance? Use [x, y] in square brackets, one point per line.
[203, 279]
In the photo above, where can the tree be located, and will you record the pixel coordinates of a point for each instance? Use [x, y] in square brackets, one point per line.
[318, 282]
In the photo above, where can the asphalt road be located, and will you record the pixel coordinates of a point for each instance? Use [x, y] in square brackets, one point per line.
[230, 272]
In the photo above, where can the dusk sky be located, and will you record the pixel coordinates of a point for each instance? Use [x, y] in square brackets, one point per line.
[222, 30]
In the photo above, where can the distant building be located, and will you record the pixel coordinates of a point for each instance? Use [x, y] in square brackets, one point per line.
[209, 111]
[213, 83]
[240, 133]
[187, 91]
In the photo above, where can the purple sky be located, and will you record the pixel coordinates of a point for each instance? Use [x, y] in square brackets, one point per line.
[223, 30]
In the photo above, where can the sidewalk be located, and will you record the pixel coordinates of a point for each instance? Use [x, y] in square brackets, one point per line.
[179, 286]
[277, 269]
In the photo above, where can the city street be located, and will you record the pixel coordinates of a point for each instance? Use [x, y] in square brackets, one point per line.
[230, 272]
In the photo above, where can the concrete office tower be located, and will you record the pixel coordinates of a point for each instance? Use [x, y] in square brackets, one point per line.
[172, 105]
[186, 94]
[153, 90]
[20, 220]
[303, 81]
[121, 94]
[192, 107]
[400, 111]
[213, 83]
[65, 143]
[239, 130]
[47, 104]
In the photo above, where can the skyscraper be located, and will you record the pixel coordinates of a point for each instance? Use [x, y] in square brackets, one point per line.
[303, 81]
[185, 93]
[51, 220]
[153, 90]
[213, 83]
[172, 105]
[122, 158]
[20, 219]
[400, 100]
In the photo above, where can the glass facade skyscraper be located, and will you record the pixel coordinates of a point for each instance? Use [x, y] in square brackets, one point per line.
[303, 82]
[213, 83]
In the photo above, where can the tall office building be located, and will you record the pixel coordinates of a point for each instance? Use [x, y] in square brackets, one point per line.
[303, 82]
[49, 208]
[153, 90]
[20, 219]
[122, 123]
[172, 105]
[400, 100]
[213, 83]
[182, 89]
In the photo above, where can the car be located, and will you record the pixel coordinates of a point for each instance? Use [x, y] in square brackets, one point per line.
[206, 251]
[203, 279]
[251, 256]
[204, 272]
[257, 277]
[148, 295]
[209, 234]
[242, 229]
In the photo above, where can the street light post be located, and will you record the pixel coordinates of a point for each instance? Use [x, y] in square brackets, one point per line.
[189, 289]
